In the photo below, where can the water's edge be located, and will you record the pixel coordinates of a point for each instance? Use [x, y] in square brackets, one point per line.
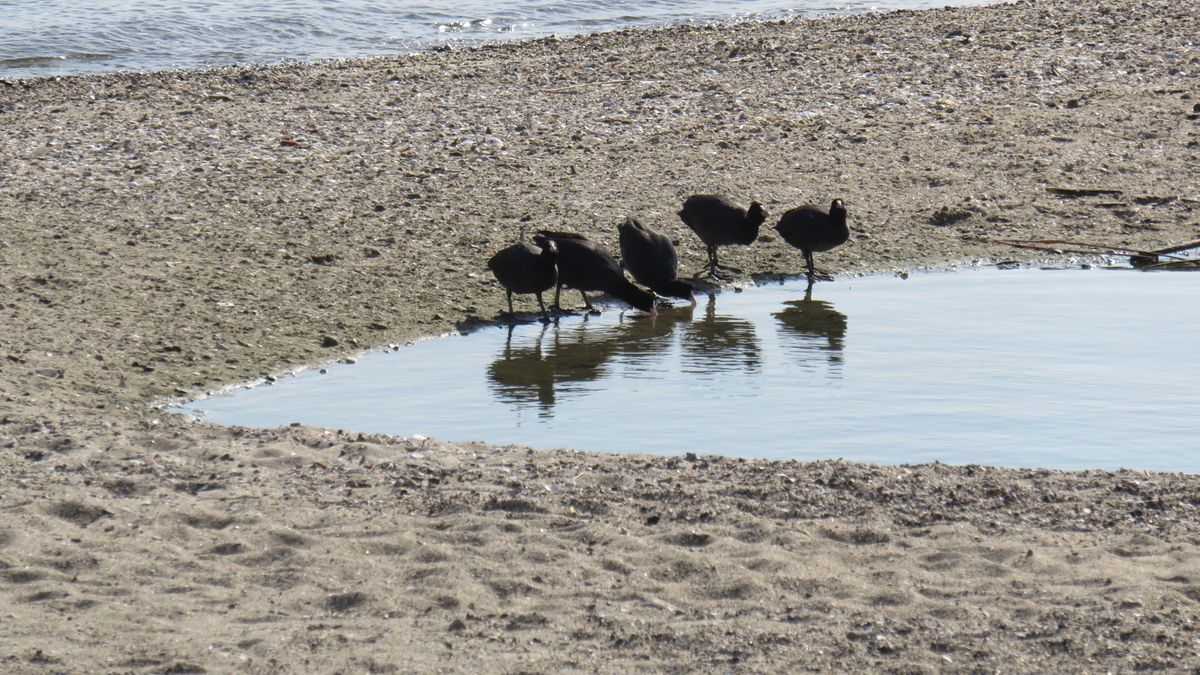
[56, 38]
[945, 366]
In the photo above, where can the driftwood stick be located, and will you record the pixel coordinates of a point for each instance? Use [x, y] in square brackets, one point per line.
[1186, 264]
[1083, 192]
[1064, 242]
[1176, 248]
[1054, 246]
[1087, 248]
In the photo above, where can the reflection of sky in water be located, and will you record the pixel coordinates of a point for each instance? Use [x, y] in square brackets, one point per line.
[1017, 368]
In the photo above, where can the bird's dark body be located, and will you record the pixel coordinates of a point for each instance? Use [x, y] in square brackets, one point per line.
[525, 268]
[812, 230]
[651, 258]
[718, 221]
[586, 266]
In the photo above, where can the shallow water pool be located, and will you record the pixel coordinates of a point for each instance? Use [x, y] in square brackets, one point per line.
[1021, 368]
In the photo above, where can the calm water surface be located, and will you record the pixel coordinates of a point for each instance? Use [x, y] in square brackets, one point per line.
[62, 37]
[1030, 368]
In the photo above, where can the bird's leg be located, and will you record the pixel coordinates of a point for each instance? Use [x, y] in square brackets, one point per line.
[813, 272]
[510, 309]
[587, 304]
[557, 292]
[714, 265]
[545, 315]
[710, 269]
[508, 341]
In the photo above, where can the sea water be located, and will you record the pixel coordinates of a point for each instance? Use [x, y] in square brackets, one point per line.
[63, 37]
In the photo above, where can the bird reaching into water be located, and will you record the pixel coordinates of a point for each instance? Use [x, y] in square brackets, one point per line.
[650, 257]
[525, 268]
[718, 221]
[586, 266]
[811, 230]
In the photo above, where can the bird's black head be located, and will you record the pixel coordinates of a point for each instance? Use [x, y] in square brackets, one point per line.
[838, 208]
[549, 248]
[640, 299]
[756, 214]
[677, 288]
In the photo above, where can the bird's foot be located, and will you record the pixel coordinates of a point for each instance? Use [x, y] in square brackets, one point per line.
[820, 275]
[720, 272]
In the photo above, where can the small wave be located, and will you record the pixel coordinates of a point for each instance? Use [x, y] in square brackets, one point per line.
[31, 61]
[89, 56]
[465, 26]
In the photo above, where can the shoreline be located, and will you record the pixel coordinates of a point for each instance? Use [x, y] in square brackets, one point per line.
[451, 40]
[165, 233]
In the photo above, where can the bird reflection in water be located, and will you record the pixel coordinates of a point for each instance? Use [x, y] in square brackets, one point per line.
[520, 374]
[561, 360]
[816, 330]
[720, 344]
[643, 345]
[565, 361]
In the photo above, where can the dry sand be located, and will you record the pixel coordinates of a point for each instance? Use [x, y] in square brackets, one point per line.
[163, 234]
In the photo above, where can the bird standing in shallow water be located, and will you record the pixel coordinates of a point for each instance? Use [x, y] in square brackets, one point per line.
[525, 268]
[811, 230]
[718, 221]
[586, 266]
[650, 257]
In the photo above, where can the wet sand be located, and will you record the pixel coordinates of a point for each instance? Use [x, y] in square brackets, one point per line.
[164, 234]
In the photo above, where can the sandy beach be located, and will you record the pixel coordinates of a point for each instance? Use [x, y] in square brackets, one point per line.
[165, 234]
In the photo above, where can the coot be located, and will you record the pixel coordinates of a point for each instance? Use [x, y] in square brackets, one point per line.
[586, 266]
[811, 230]
[718, 221]
[650, 257]
[525, 268]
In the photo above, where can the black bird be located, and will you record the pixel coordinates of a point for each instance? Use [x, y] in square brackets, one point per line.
[811, 230]
[718, 221]
[525, 268]
[650, 257]
[586, 266]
